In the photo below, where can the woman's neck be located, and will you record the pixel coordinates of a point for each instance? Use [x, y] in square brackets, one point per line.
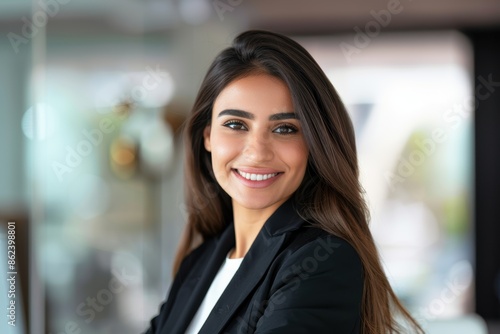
[247, 225]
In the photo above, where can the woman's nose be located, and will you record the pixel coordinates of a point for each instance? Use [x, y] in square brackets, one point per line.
[258, 148]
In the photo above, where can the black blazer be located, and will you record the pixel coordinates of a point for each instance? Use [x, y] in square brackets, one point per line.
[295, 278]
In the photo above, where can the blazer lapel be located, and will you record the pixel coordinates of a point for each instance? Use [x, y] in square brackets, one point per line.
[253, 267]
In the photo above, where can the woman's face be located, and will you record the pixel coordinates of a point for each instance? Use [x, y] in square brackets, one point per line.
[259, 155]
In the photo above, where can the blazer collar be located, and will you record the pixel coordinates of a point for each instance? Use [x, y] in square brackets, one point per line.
[284, 219]
[255, 264]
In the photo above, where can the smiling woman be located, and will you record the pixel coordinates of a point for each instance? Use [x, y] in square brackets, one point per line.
[277, 239]
[259, 155]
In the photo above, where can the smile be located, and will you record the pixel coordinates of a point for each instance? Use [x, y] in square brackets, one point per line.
[256, 177]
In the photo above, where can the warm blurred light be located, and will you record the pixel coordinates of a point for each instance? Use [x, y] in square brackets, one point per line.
[123, 156]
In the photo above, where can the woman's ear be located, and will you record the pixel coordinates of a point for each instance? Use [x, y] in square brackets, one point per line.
[206, 138]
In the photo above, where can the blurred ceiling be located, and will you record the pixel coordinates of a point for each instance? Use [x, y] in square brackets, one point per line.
[287, 16]
[296, 16]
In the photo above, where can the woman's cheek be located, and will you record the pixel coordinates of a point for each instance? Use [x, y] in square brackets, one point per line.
[225, 148]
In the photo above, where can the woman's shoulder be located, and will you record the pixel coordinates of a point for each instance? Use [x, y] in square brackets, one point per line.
[313, 236]
[319, 268]
[196, 255]
[313, 246]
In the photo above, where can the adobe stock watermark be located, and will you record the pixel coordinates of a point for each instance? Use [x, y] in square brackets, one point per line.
[453, 117]
[294, 277]
[150, 82]
[87, 310]
[75, 155]
[94, 137]
[39, 19]
[363, 38]
[455, 286]
[222, 6]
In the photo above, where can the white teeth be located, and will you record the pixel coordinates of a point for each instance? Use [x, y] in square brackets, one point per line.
[256, 177]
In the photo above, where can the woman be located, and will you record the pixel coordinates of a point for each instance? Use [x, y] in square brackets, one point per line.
[277, 239]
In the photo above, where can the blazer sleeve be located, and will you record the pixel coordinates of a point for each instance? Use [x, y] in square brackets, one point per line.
[318, 290]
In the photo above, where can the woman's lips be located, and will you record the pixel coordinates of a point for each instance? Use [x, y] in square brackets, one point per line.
[257, 179]
[256, 176]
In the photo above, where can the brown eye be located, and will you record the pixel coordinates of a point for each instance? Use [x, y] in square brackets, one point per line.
[286, 129]
[235, 125]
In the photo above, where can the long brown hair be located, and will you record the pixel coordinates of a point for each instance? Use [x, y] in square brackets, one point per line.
[330, 196]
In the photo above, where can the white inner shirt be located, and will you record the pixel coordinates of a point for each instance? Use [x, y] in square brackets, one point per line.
[219, 284]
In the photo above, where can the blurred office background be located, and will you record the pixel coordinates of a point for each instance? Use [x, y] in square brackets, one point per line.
[93, 96]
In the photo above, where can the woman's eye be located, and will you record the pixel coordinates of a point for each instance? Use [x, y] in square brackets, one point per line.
[286, 129]
[234, 125]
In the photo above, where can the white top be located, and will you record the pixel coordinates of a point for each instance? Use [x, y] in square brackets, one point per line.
[219, 284]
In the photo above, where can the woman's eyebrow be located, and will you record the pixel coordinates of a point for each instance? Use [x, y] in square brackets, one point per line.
[283, 115]
[248, 115]
[236, 112]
